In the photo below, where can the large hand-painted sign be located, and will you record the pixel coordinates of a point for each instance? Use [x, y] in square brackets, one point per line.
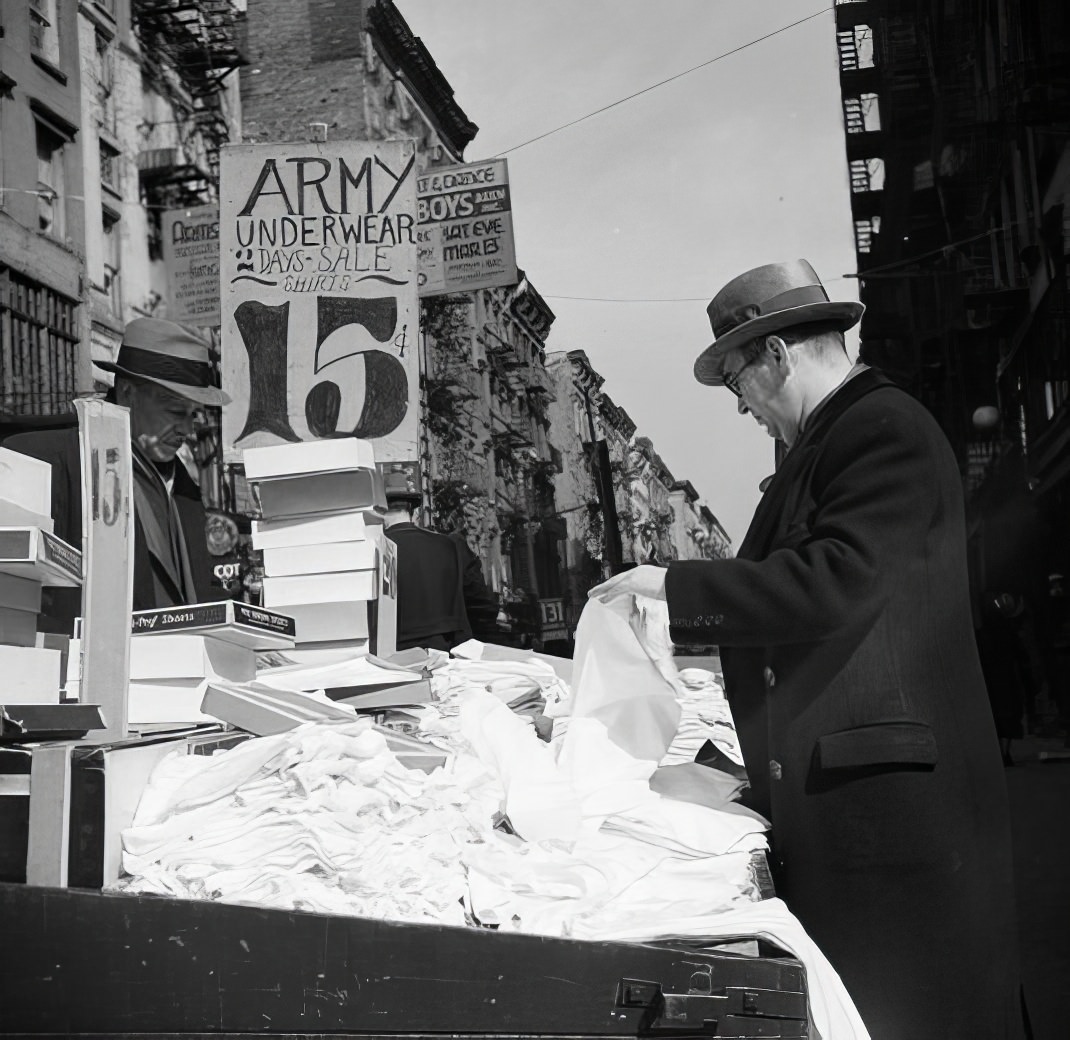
[319, 300]
[465, 228]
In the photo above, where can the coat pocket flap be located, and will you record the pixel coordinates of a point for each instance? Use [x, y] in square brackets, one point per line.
[884, 743]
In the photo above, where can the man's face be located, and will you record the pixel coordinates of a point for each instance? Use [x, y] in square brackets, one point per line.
[160, 421]
[759, 380]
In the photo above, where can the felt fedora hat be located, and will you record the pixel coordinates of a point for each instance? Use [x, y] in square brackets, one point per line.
[765, 300]
[164, 353]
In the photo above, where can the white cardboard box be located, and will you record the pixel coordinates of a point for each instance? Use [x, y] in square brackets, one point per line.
[26, 481]
[20, 593]
[385, 621]
[331, 622]
[167, 701]
[228, 620]
[18, 627]
[182, 656]
[320, 559]
[29, 675]
[37, 554]
[313, 493]
[282, 460]
[347, 526]
[14, 515]
[337, 587]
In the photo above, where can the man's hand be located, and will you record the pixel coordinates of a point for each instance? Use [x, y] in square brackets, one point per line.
[645, 580]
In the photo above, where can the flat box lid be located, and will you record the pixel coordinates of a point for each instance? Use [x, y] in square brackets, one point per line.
[281, 460]
[33, 552]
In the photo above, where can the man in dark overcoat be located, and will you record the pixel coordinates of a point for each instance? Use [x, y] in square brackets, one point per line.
[164, 377]
[850, 664]
[441, 589]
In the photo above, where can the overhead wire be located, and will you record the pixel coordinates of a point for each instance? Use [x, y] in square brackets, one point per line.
[661, 299]
[662, 83]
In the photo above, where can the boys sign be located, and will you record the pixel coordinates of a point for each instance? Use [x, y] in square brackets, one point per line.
[318, 294]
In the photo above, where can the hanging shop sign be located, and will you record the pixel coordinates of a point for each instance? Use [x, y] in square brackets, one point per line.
[465, 228]
[191, 256]
[318, 295]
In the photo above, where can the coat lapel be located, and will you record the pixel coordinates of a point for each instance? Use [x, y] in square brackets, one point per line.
[147, 497]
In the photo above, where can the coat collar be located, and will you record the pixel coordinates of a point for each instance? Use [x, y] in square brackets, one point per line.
[770, 509]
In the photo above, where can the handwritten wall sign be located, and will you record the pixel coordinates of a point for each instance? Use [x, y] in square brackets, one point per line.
[191, 256]
[319, 294]
[465, 228]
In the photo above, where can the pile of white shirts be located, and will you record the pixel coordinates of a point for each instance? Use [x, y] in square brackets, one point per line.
[320, 818]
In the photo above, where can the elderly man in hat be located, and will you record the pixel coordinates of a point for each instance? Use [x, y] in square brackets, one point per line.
[849, 660]
[163, 376]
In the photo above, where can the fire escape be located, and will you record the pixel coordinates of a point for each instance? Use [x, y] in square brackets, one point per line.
[188, 49]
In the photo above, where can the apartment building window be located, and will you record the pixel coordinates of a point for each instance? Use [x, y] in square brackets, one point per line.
[109, 168]
[113, 261]
[51, 181]
[44, 31]
[105, 70]
[38, 334]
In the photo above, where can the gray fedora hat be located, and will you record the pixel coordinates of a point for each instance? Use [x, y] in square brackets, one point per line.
[765, 300]
[165, 353]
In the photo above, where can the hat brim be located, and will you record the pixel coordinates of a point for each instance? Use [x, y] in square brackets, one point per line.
[709, 366]
[210, 396]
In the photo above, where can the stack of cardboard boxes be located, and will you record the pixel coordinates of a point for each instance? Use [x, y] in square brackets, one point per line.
[327, 561]
[175, 652]
[31, 556]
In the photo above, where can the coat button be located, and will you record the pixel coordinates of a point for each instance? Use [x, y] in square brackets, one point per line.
[776, 770]
[770, 677]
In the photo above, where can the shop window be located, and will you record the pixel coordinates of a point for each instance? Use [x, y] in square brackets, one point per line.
[51, 182]
[44, 32]
[38, 333]
[112, 262]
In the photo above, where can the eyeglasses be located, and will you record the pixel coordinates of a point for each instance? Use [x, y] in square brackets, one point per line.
[731, 379]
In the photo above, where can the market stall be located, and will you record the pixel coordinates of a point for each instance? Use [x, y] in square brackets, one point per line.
[293, 835]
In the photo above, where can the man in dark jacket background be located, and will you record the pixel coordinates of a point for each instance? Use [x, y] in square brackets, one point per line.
[850, 664]
[442, 596]
[164, 377]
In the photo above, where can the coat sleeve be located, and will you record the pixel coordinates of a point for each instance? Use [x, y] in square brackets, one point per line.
[480, 604]
[873, 495]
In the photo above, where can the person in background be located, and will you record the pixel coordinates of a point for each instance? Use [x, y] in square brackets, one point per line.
[480, 604]
[849, 660]
[164, 377]
[439, 589]
[1005, 664]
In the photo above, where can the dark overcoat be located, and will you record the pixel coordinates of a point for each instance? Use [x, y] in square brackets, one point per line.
[849, 660]
[431, 609]
[153, 577]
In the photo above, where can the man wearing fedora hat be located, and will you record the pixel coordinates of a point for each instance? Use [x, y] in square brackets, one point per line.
[164, 377]
[849, 660]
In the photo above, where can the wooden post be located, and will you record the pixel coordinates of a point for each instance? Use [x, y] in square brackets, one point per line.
[48, 843]
[108, 551]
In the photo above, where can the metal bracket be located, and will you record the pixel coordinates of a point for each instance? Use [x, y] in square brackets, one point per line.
[707, 1013]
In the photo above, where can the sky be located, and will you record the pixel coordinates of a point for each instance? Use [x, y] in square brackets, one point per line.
[664, 197]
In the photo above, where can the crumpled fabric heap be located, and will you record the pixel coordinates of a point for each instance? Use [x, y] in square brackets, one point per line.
[704, 715]
[527, 688]
[321, 818]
